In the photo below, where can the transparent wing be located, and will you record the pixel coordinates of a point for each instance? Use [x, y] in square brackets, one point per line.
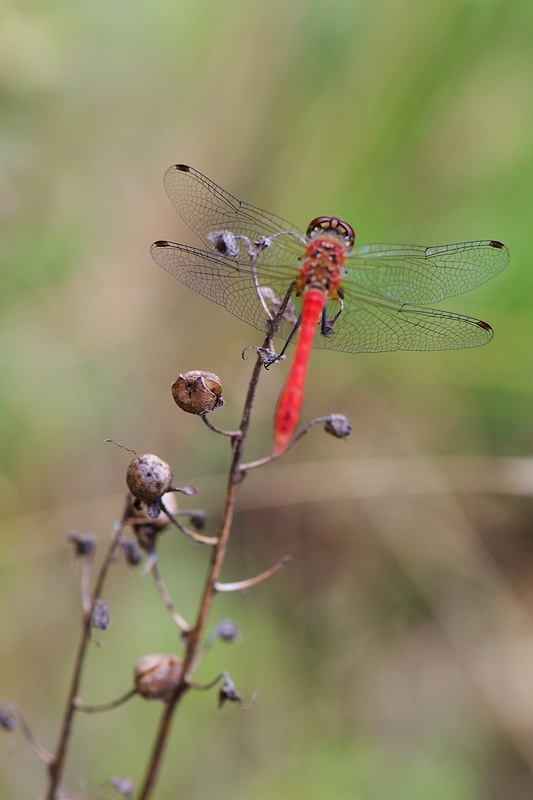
[375, 325]
[385, 288]
[368, 323]
[229, 283]
[207, 208]
[417, 274]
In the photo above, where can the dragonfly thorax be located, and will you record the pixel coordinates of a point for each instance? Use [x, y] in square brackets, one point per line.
[322, 266]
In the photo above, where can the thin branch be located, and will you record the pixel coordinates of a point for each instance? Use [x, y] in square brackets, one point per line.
[167, 600]
[194, 638]
[56, 765]
[211, 540]
[81, 706]
[40, 751]
[261, 462]
[239, 586]
[230, 434]
[85, 585]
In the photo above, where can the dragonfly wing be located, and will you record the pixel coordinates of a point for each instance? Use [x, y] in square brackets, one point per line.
[417, 274]
[229, 283]
[374, 326]
[207, 208]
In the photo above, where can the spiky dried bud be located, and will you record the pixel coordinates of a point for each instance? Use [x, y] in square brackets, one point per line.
[228, 692]
[156, 676]
[338, 425]
[228, 631]
[84, 543]
[148, 478]
[198, 392]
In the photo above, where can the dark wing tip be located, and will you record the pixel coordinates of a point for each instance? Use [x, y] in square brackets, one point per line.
[181, 167]
[498, 245]
[485, 326]
[160, 243]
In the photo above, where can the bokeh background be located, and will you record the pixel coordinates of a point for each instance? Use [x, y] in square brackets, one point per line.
[393, 656]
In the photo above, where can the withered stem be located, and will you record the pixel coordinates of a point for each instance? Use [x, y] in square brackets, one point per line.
[167, 600]
[55, 768]
[194, 637]
[241, 586]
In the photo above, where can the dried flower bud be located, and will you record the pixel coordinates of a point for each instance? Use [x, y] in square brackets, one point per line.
[148, 478]
[84, 543]
[228, 631]
[100, 619]
[130, 551]
[268, 356]
[198, 392]
[123, 785]
[224, 242]
[198, 520]
[228, 692]
[8, 719]
[338, 425]
[157, 676]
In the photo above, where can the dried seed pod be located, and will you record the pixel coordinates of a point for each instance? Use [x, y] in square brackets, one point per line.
[198, 392]
[338, 425]
[148, 478]
[156, 676]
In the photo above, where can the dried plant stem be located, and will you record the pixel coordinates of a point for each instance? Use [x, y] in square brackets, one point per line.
[55, 769]
[194, 637]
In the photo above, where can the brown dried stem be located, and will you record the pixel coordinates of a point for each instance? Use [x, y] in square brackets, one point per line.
[56, 765]
[241, 586]
[194, 637]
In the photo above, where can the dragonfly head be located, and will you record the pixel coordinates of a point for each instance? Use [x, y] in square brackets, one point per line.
[332, 226]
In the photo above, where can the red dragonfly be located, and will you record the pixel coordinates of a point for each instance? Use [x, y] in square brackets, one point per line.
[359, 299]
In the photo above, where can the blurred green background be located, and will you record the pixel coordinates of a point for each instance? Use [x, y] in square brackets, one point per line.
[393, 656]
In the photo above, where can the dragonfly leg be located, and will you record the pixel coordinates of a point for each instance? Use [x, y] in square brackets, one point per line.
[327, 324]
[291, 335]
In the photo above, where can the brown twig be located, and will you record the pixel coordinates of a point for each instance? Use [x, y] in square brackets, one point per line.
[217, 559]
[167, 600]
[197, 537]
[194, 637]
[87, 709]
[56, 765]
[261, 462]
[241, 586]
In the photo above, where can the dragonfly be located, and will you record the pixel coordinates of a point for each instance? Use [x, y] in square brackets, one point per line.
[337, 295]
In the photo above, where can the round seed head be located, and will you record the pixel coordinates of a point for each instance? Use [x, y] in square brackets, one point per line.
[198, 392]
[156, 676]
[148, 478]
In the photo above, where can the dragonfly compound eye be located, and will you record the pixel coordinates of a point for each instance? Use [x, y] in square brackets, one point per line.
[332, 225]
